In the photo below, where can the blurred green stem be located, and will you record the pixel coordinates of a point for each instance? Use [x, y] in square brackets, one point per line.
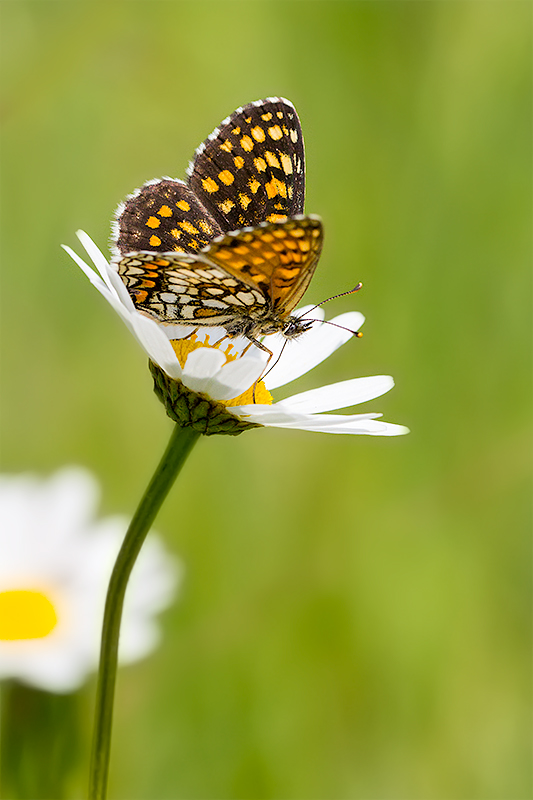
[178, 449]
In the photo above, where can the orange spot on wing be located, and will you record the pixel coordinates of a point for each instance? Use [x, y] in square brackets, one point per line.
[286, 163]
[258, 133]
[275, 132]
[226, 177]
[247, 144]
[272, 159]
[188, 227]
[209, 185]
[226, 206]
[260, 164]
[206, 312]
[271, 188]
[205, 226]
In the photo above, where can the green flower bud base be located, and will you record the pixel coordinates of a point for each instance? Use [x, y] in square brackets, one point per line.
[194, 409]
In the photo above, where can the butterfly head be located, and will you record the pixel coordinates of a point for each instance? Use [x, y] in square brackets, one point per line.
[295, 326]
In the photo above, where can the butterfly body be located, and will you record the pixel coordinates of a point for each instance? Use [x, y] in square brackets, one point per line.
[231, 247]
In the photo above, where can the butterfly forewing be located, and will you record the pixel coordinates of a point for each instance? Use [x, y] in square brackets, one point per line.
[164, 215]
[277, 258]
[251, 168]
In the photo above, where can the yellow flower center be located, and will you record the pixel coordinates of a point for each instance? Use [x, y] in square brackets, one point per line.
[25, 615]
[182, 348]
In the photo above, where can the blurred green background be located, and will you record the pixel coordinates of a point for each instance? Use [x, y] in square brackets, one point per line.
[355, 618]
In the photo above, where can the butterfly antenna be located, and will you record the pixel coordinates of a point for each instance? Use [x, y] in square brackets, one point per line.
[334, 297]
[357, 334]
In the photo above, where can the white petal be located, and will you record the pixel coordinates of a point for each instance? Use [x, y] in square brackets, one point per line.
[96, 255]
[109, 294]
[122, 293]
[152, 338]
[172, 331]
[338, 395]
[358, 424]
[287, 419]
[305, 352]
[148, 332]
[235, 378]
[95, 279]
[392, 429]
[318, 312]
[201, 366]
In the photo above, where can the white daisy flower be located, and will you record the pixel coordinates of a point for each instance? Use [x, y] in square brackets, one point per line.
[55, 562]
[228, 375]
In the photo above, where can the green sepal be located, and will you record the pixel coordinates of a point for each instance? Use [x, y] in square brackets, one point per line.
[195, 409]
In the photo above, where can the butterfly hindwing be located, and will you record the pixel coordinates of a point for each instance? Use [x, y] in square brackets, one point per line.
[176, 288]
[164, 215]
[251, 169]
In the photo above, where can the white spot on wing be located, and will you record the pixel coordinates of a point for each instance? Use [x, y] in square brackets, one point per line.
[215, 304]
[246, 297]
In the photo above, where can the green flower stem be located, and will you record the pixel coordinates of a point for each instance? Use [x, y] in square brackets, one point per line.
[178, 449]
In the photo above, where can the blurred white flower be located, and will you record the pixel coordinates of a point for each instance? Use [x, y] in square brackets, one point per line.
[228, 373]
[55, 562]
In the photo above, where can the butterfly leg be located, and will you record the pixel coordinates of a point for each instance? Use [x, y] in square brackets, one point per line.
[192, 333]
[216, 344]
[261, 346]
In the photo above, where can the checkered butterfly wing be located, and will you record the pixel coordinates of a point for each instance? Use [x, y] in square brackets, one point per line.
[249, 170]
[164, 215]
[277, 258]
[245, 273]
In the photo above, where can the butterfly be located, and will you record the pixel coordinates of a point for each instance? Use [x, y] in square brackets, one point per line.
[231, 246]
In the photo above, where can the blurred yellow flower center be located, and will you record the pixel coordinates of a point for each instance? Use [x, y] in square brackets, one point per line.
[182, 348]
[25, 615]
